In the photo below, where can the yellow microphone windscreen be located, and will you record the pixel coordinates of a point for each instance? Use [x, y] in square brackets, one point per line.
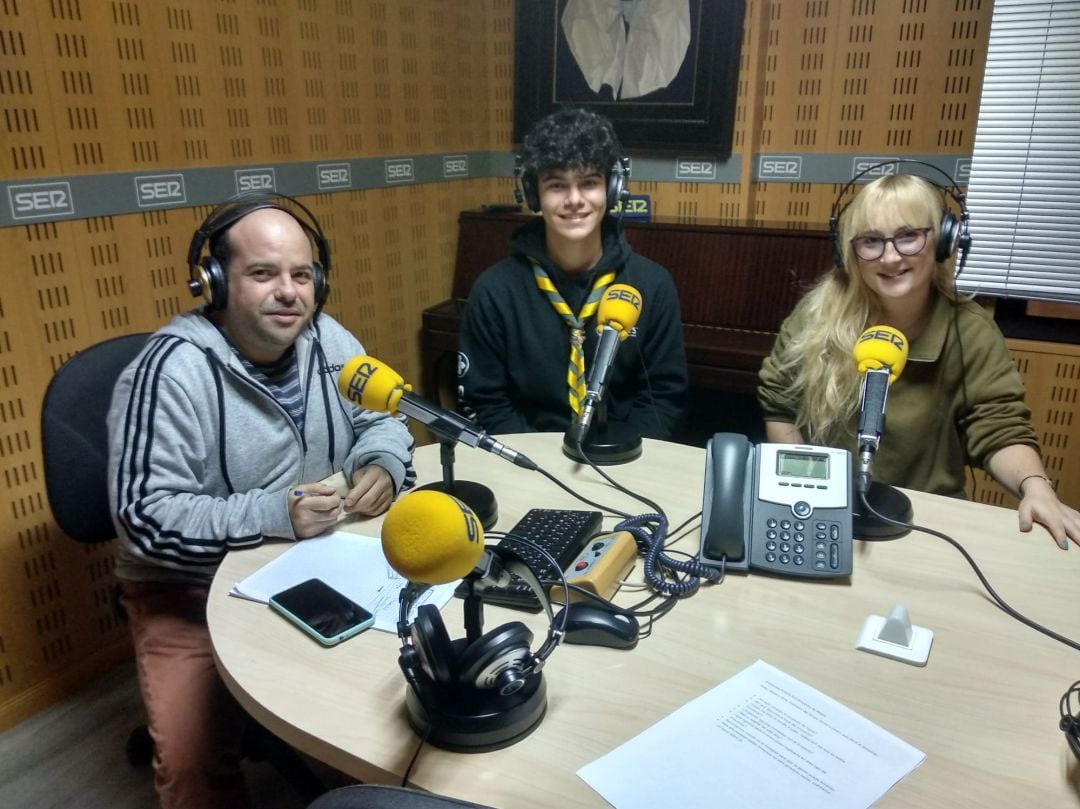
[620, 308]
[431, 538]
[881, 347]
[370, 384]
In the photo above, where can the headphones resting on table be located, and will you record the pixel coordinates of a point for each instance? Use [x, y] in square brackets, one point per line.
[209, 279]
[477, 693]
[953, 230]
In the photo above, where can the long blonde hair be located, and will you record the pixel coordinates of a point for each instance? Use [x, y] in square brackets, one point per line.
[841, 306]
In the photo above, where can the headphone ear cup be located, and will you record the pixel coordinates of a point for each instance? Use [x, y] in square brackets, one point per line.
[496, 657]
[213, 282]
[615, 186]
[529, 192]
[1071, 726]
[834, 237]
[618, 189]
[950, 235]
[432, 642]
[320, 286]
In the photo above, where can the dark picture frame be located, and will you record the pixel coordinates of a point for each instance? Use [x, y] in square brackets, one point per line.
[695, 111]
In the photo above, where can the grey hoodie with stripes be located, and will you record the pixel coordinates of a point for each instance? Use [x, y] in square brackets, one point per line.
[202, 457]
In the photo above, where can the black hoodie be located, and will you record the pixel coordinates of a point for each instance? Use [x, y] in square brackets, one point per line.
[515, 348]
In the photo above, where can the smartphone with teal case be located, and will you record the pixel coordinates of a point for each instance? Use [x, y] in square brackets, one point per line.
[321, 611]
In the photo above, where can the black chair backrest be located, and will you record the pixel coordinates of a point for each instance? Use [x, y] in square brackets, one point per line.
[375, 796]
[75, 438]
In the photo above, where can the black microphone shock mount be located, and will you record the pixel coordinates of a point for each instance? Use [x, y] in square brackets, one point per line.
[475, 495]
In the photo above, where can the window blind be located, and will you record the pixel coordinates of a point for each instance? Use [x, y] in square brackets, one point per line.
[1024, 189]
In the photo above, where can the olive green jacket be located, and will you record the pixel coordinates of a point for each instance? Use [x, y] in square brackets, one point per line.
[957, 401]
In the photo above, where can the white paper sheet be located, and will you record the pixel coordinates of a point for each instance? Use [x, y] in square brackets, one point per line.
[350, 563]
[760, 739]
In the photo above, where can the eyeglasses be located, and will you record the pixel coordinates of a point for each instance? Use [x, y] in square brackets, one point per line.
[908, 242]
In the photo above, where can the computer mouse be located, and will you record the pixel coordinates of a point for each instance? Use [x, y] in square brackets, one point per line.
[595, 625]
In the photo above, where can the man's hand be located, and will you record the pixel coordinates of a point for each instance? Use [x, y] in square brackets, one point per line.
[372, 492]
[313, 508]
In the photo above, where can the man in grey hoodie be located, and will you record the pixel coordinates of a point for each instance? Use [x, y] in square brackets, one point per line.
[220, 433]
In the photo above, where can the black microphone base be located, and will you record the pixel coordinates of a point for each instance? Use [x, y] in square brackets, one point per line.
[476, 496]
[887, 501]
[466, 719]
[606, 444]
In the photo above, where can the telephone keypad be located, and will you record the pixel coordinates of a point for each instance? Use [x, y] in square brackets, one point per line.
[786, 545]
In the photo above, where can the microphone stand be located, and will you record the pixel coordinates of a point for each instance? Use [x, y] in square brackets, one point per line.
[607, 443]
[475, 495]
[888, 501]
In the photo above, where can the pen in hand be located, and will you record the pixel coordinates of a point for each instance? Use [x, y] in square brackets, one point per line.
[313, 509]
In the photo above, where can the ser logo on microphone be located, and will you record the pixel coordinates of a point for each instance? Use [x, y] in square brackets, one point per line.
[624, 294]
[358, 381]
[472, 525]
[888, 335]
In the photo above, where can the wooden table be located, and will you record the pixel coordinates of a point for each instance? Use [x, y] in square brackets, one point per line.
[984, 709]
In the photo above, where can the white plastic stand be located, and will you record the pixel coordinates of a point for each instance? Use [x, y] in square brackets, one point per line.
[896, 637]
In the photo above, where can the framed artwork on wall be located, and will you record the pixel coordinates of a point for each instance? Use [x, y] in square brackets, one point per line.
[664, 71]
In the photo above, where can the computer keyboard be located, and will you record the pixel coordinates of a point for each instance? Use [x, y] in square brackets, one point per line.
[561, 532]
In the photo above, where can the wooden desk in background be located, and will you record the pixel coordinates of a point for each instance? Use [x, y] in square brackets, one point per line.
[984, 709]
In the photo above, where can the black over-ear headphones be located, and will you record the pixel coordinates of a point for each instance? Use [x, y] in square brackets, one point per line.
[477, 693]
[527, 184]
[211, 280]
[953, 231]
[1070, 717]
[500, 659]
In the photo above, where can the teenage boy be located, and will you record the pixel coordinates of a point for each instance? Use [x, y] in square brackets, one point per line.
[530, 327]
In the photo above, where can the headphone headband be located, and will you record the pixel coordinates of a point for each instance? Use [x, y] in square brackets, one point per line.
[235, 208]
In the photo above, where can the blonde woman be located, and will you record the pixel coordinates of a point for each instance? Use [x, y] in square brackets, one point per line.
[959, 400]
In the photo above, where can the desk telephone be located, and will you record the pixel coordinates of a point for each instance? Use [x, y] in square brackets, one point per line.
[783, 508]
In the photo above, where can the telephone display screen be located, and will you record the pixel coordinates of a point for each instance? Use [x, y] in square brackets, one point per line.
[802, 465]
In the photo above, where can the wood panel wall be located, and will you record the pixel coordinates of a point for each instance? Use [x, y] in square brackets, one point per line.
[91, 86]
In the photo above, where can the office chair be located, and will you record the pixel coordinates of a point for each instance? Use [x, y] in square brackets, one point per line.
[75, 448]
[376, 796]
[75, 439]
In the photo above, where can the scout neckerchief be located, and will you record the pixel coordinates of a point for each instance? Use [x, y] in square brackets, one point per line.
[575, 373]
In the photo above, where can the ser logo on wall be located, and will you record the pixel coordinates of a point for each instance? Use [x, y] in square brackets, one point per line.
[333, 175]
[248, 180]
[689, 169]
[41, 200]
[871, 167]
[160, 189]
[399, 170]
[780, 167]
[455, 165]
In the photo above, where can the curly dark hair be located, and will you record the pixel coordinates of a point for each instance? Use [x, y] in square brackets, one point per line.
[571, 138]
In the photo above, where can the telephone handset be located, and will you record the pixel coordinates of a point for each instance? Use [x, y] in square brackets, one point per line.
[784, 508]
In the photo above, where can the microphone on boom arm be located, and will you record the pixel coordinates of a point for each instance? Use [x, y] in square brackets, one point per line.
[371, 384]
